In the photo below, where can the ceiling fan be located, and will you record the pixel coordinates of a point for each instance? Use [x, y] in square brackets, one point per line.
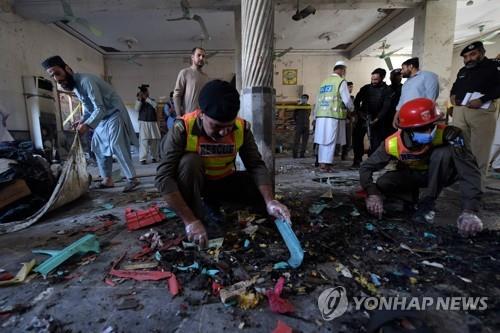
[70, 17]
[278, 55]
[131, 60]
[487, 38]
[186, 15]
[302, 14]
[387, 56]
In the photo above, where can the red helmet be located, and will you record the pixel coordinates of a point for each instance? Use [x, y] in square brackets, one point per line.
[418, 112]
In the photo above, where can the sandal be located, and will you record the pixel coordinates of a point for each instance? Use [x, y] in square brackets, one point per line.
[102, 186]
[131, 185]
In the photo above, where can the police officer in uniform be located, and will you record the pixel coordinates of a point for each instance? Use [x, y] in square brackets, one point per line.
[199, 165]
[429, 155]
[476, 117]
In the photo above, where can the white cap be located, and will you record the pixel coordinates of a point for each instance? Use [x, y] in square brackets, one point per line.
[340, 63]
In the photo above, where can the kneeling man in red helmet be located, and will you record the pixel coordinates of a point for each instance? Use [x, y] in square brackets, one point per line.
[429, 155]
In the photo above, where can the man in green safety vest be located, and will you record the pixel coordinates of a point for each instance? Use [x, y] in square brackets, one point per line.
[333, 103]
[429, 155]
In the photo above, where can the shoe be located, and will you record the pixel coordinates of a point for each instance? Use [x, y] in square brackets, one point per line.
[343, 157]
[295, 155]
[356, 164]
[425, 212]
[153, 160]
[131, 185]
[143, 162]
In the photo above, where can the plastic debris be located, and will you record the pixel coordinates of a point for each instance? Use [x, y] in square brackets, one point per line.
[281, 265]
[21, 275]
[413, 280]
[143, 265]
[281, 327]
[429, 235]
[251, 230]
[212, 244]
[291, 241]
[158, 256]
[375, 279]
[432, 264]
[169, 214]
[343, 270]
[108, 206]
[210, 272]
[464, 279]
[88, 243]
[355, 212]
[248, 300]
[278, 304]
[369, 227]
[193, 267]
[362, 281]
[140, 275]
[231, 293]
[137, 219]
[407, 248]
[317, 208]
[153, 238]
[108, 329]
[246, 244]
[244, 217]
[173, 285]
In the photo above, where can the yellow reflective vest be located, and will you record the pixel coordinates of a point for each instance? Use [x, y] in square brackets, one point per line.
[415, 160]
[330, 104]
[218, 156]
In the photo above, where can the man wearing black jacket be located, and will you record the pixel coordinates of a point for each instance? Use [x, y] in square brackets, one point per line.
[372, 105]
[474, 95]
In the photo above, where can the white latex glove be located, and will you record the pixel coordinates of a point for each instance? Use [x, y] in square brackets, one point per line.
[375, 205]
[469, 224]
[195, 232]
[278, 210]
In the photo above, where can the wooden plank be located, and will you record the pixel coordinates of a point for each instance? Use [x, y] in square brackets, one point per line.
[13, 192]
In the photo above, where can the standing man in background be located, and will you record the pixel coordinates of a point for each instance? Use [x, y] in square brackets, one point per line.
[334, 101]
[149, 131]
[189, 83]
[395, 87]
[301, 117]
[474, 95]
[169, 111]
[104, 112]
[372, 104]
[418, 84]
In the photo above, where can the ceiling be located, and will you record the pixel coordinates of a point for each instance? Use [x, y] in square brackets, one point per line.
[144, 22]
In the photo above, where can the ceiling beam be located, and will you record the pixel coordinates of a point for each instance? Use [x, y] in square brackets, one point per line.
[391, 22]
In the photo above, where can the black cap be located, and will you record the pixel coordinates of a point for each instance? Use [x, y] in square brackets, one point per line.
[473, 46]
[53, 61]
[143, 87]
[396, 71]
[219, 100]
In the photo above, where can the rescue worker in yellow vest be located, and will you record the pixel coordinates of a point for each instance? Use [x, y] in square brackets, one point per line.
[333, 103]
[430, 156]
[197, 172]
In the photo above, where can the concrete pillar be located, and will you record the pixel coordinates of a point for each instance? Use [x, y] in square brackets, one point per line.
[237, 50]
[258, 95]
[433, 41]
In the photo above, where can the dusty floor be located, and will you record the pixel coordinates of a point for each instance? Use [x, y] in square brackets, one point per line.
[77, 299]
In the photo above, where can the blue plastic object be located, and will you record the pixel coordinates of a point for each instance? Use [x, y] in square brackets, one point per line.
[87, 243]
[292, 243]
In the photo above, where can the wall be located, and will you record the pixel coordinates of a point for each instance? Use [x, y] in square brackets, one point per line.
[160, 72]
[24, 45]
[312, 69]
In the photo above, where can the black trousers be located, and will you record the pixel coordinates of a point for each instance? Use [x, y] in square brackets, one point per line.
[300, 140]
[195, 187]
[358, 135]
[446, 166]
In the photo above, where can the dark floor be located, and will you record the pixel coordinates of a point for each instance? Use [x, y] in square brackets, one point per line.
[77, 299]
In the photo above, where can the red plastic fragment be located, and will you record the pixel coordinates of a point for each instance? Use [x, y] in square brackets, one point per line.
[282, 328]
[137, 219]
[277, 303]
[147, 250]
[109, 282]
[173, 285]
[6, 276]
[216, 288]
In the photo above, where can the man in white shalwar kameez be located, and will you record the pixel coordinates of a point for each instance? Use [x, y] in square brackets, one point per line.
[333, 103]
[105, 112]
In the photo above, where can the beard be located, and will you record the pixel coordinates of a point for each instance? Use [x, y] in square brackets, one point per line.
[68, 84]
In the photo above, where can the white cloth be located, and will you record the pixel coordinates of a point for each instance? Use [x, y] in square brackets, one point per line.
[149, 130]
[328, 133]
